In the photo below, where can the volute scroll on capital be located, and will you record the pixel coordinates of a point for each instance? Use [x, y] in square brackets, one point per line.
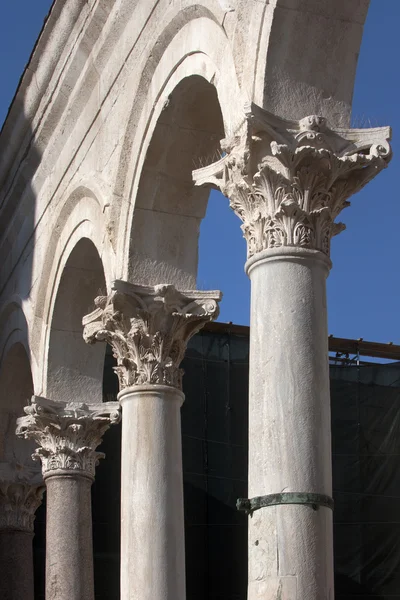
[21, 492]
[148, 329]
[67, 434]
[289, 180]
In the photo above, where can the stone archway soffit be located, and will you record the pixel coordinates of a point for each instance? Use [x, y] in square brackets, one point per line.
[81, 216]
[13, 327]
[214, 62]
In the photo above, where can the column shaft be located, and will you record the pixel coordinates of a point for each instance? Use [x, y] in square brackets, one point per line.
[69, 551]
[288, 181]
[68, 435]
[290, 546]
[148, 328]
[152, 520]
[16, 560]
[21, 492]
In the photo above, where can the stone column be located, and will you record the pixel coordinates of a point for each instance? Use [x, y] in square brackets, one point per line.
[20, 497]
[148, 329]
[68, 435]
[288, 181]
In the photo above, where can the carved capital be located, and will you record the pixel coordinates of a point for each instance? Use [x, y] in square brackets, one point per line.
[289, 180]
[67, 433]
[148, 329]
[21, 492]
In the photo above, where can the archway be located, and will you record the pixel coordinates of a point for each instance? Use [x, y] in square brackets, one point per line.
[164, 248]
[16, 389]
[75, 370]
[168, 209]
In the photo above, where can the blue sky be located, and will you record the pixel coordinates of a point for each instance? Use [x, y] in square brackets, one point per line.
[364, 285]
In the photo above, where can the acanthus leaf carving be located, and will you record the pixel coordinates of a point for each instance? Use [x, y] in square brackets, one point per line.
[67, 434]
[148, 329]
[21, 492]
[289, 180]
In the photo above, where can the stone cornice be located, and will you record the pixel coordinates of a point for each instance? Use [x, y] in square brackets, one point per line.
[289, 180]
[148, 329]
[21, 492]
[67, 433]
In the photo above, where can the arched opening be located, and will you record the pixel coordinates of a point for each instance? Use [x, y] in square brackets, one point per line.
[222, 255]
[169, 209]
[74, 369]
[165, 249]
[16, 389]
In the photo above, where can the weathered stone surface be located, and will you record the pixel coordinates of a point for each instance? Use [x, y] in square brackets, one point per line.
[288, 181]
[120, 101]
[77, 158]
[289, 424]
[67, 434]
[152, 494]
[21, 492]
[69, 544]
[18, 504]
[148, 329]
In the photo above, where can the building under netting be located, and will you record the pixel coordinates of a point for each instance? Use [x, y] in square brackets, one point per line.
[365, 403]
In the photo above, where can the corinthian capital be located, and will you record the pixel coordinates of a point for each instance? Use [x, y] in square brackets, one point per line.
[67, 433]
[148, 329]
[289, 180]
[21, 492]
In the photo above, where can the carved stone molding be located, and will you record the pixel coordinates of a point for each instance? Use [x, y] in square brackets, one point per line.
[148, 329]
[21, 492]
[67, 433]
[289, 180]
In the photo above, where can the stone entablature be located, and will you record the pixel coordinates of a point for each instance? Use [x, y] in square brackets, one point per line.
[67, 433]
[289, 180]
[148, 329]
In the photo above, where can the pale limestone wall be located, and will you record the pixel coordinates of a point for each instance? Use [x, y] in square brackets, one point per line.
[73, 150]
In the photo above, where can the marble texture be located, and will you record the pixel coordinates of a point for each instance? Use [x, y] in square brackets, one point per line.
[119, 102]
[152, 519]
[288, 181]
[290, 547]
[68, 435]
[69, 545]
[148, 328]
[21, 492]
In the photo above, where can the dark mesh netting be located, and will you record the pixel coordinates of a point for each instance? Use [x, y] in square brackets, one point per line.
[214, 435]
[365, 403]
[366, 478]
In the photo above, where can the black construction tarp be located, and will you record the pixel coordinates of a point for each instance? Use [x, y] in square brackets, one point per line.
[365, 404]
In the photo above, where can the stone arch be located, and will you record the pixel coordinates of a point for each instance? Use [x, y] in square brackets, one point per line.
[306, 57]
[74, 371]
[168, 210]
[191, 64]
[16, 382]
[13, 327]
[80, 216]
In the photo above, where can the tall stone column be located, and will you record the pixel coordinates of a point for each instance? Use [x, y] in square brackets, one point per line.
[148, 329]
[288, 181]
[67, 435]
[20, 497]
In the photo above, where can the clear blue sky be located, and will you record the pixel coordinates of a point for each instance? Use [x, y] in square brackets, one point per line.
[364, 285]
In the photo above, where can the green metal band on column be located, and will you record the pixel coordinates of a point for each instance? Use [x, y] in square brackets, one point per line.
[249, 505]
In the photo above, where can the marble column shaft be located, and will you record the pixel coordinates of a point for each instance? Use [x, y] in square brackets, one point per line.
[19, 499]
[288, 181]
[68, 435]
[148, 329]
